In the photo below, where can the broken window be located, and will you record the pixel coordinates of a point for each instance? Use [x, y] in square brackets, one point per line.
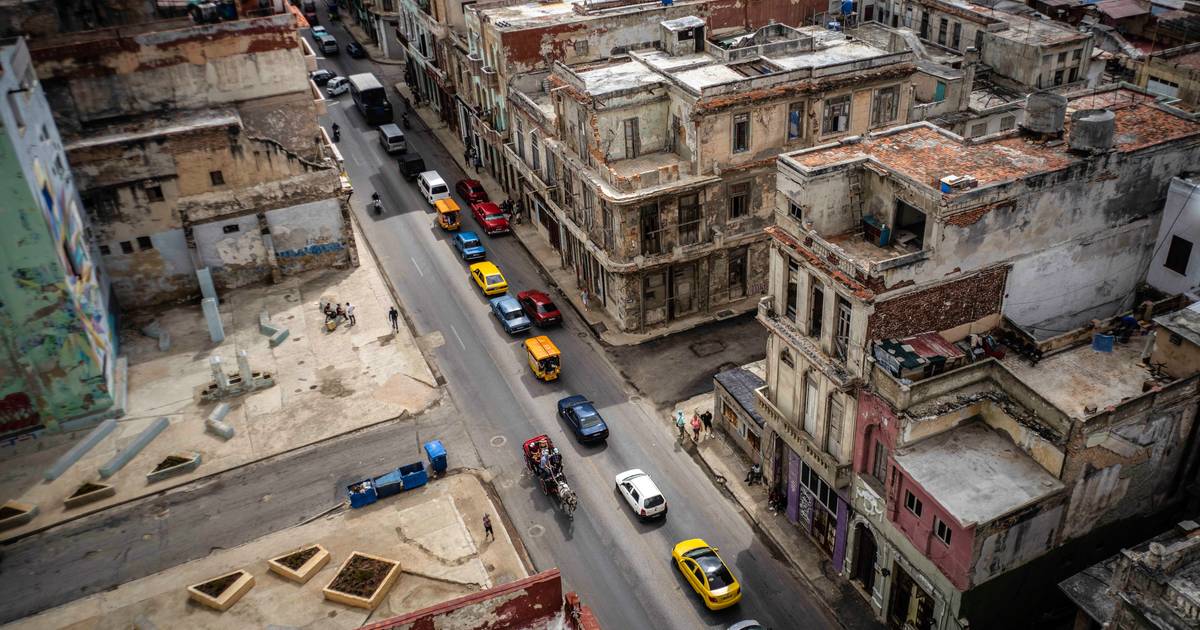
[886, 102]
[105, 250]
[581, 47]
[793, 289]
[126, 247]
[1008, 122]
[910, 225]
[1178, 255]
[217, 178]
[737, 274]
[795, 117]
[101, 205]
[689, 219]
[1062, 58]
[1058, 77]
[817, 310]
[652, 241]
[741, 133]
[1076, 54]
[154, 193]
[144, 243]
[941, 36]
[837, 114]
[941, 530]
[231, 228]
[833, 433]
[633, 140]
[1073, 75]
[841, 341]
[912, 503]
[739, 199]
[795, 210]
[956, 35]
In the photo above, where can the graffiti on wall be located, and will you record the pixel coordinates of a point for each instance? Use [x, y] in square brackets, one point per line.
[17, 412]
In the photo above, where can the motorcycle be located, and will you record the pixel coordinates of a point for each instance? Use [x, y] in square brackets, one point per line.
[404, 119]
[337, 133]
[376, 204]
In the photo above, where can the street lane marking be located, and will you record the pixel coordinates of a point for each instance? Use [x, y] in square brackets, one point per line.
[460, 343]
[414, 261]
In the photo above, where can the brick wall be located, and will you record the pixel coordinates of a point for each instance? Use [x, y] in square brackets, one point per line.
[940, 307]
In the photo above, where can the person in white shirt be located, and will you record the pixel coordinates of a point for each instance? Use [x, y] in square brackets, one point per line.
[350, 313]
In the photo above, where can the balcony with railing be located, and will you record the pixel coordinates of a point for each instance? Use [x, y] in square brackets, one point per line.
[782, 327]
[833, 472]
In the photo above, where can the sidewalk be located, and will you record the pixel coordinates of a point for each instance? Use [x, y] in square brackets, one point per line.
[547, 258]
[374, 53]
[727, 466]
[325, 384]
[435, 532]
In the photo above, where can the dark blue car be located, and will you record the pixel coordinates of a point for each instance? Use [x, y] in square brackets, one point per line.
[468, 246]
[585, 421]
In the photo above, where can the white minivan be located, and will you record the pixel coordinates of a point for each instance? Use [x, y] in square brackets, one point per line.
[433, 186]
[391, 138]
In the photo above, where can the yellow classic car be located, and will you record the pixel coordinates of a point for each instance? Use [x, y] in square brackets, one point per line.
[707, 573]
[487, 275]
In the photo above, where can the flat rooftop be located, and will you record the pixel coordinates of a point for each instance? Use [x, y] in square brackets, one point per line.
[1082, 377]
[926, 153]
[976, 473]
[1035, 31]
[629, 75]
[529, 14]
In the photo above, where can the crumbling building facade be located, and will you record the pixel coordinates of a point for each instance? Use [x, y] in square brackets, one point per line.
[915, 276]
[196, 146]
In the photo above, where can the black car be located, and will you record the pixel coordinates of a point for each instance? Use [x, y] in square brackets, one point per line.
[321, 77]
[411, 166]
[355, 50]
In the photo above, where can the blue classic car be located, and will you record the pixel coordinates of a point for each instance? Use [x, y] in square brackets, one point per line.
[585, 421]
[509, 312]
[468, 246]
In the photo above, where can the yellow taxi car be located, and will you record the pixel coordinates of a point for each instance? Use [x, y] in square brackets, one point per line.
[707, 573]
[487, 275]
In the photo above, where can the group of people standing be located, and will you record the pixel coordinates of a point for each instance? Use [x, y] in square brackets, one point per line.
[335, 313]
[699, 420]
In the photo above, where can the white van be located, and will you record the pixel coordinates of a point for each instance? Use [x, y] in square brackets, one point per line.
[433, 186]
[391, 138]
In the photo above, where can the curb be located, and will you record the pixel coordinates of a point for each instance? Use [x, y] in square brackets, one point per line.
[722, 484]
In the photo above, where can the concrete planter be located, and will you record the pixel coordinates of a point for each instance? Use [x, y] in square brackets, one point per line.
[305, 571]
[174, 464]
[16, 514]
[241, 583]
[90, 491]
[382, 576]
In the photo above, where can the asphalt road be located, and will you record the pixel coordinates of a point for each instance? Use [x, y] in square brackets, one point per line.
[621, 568]
[142, 537]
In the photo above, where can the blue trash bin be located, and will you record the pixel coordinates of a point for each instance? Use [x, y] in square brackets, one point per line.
[436, 453]
[389, 484]
[362, 493]
[413, 475]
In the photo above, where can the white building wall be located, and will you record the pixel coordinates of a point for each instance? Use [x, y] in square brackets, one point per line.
[1181, 218]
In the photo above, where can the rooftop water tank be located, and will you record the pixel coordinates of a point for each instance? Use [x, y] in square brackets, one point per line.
[1045, 113]
[1092, 130]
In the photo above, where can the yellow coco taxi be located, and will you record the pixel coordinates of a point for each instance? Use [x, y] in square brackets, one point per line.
[489, 278]
[707, 573]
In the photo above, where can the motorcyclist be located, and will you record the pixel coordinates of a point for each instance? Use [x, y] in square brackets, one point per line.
[337, 132]
[376, 203]
[404, 119]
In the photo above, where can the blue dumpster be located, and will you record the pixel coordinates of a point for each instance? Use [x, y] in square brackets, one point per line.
[362, 493]
[413, 475]
[437, 456]
[388, 484]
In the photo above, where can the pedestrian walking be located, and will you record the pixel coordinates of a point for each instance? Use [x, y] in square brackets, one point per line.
[583, 297]
[706, 418]
[394, 318]
[350, 313]
[487, 527]
[680, 423]
[696, 425]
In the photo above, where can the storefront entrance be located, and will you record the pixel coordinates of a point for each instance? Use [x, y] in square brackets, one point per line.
[911, 608]
[866, 555]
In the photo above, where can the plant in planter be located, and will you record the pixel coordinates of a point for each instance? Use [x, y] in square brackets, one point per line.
[222, 591]
[88, 492]
[301, 564]
[174, 464]
[15, 514]
[363, 580]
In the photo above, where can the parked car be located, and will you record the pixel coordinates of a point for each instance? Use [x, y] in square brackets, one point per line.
[748, 624]
[471, 191]
[641, 494]
[317, 32]
[337, 86]
[490, 218]
[355, 50]
[540, 309]
[468, 246]
[707, 573]
[511, 317]
[487, 275]
[321, 77]
[432, 186]
[411, 166]
[328, 45]
[585, 421]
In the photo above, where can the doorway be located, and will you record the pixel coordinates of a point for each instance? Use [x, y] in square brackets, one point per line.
[866, 555]
[911, 608]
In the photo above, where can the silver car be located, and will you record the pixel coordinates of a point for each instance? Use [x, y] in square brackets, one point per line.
[511, 315]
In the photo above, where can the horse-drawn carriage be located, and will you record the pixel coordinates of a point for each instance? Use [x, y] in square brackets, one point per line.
[545, 463]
